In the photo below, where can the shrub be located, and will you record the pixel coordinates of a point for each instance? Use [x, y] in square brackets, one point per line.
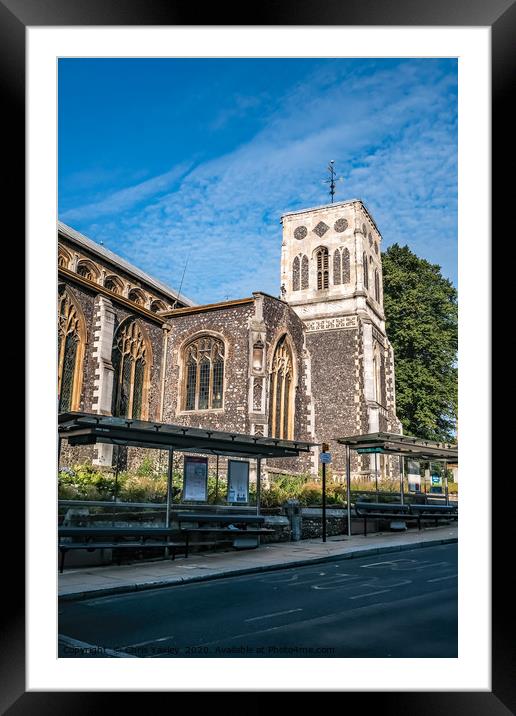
[144, 488]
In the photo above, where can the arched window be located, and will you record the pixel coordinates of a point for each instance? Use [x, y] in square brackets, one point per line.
[377, 375]
[203, 374]
[337, 268]
[366, 270]
[131, 361]
[71, 344]
[281, 392]
[158, 306]
[304, 272]
[113, 283]
[346, 272]
[88, 270]
[63, 258]
[322, 268]
[377, 285]
[137, 296]
[296, 274]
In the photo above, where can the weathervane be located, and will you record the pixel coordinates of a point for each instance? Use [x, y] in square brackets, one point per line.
[331, 180]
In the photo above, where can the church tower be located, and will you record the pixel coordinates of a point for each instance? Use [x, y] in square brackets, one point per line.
[331, 276]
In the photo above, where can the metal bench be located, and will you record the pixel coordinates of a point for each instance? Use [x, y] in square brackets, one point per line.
[380, 510]
[239, 536]
[434, 512]
[136, 538]
[408, 513]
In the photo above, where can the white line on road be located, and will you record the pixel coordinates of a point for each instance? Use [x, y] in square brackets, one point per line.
[369, 594]
[440, 579]
[274, 614]
[150, 641]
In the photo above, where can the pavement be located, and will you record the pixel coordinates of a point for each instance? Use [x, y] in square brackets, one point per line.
[87, 582]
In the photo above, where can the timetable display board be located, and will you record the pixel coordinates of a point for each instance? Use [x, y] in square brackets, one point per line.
[238, 481]
[195, 479]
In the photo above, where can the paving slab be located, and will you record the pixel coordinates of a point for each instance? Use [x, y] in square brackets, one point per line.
[86, 582]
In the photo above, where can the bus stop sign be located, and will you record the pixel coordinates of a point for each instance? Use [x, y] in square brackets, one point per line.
[325, 457]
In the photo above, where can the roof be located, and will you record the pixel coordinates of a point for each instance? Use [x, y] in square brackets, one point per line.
[104, 253]
[394, 444]
[87, 428]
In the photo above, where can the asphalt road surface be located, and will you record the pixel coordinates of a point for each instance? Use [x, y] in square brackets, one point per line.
[400, 604]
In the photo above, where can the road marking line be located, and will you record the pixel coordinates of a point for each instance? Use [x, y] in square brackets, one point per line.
[375, 564]
[439, 579]
[274, 614]
[150, 641]
[369, 594]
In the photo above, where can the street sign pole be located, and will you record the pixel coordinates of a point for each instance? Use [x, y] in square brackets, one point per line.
[324, 502]
[348, 487]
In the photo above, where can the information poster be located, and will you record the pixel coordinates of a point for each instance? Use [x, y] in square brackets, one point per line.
[195, 479]
[238, 481]
[413, 476]
[436, 484]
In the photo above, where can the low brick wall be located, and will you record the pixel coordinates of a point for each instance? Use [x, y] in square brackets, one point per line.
[311, 524]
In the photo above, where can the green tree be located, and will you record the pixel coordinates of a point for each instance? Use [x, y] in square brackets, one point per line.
[421, 322]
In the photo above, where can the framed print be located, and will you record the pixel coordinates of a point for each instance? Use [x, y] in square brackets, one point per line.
[35, 37]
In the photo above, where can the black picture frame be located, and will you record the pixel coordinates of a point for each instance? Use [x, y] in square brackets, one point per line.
[500, 16]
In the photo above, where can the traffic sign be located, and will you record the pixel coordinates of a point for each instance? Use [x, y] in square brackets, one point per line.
[325, 457]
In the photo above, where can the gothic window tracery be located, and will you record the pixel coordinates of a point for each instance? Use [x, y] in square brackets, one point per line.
[204, 374]
[137, 296]
[88, 270]
[112, 283]
[71, 344]
[130, 358]
[281, 392]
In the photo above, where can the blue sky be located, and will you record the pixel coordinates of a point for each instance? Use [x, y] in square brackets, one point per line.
[169, 160]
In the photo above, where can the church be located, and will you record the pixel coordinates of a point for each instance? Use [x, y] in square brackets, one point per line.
[313, 364]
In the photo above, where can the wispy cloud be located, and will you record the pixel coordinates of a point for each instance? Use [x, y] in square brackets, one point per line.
[392, 132]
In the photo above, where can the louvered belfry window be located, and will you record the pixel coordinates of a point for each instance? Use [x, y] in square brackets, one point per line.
[70, 351]
[129, 360]
[281, 395]
[322, 268]
[204, 374]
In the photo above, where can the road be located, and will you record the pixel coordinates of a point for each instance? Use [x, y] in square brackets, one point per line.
[400, 604]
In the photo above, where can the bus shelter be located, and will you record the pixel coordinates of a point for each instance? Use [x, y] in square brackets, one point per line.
[402, 445]
[89, 428]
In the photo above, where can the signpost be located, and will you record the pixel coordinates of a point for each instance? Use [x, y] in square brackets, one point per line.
[325, 459]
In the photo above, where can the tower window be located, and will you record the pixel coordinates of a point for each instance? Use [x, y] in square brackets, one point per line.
[204, 374]
[296, 277]
[366, 270]
[337, 268]
[322, 268]
[377, 285]
[346, 272]
[304, 272]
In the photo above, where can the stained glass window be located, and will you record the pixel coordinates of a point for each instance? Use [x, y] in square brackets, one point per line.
[130, 363]
[71, 340]
[281, 408]
[204, 374]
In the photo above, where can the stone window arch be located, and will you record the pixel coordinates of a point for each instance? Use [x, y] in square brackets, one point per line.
[281, 392]
[337, 268]
[346, 267]
[296, 274]
[203, 370]
[131, 358]
[137, 296]
[158, 305]
[322, 261]
[88, 270]
[366, 270]
[71, 346]
[304, 272]
[114, 284]
[63, 258]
